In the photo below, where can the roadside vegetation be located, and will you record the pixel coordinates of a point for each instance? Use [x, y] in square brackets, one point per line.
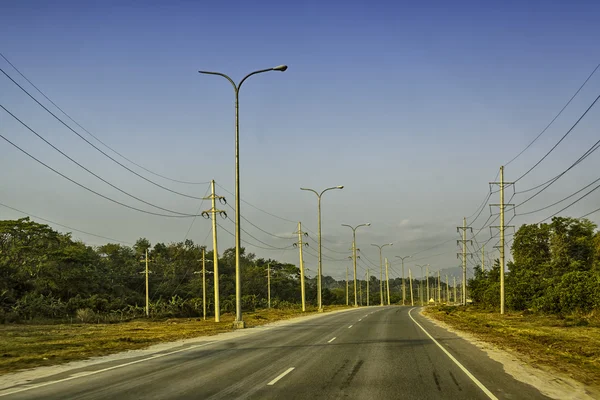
[552, 297]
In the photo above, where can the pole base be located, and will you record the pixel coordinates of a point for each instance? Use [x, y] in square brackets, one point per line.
[320, 310]
[239, 324]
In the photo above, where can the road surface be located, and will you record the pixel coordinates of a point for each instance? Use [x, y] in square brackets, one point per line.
[366, 353]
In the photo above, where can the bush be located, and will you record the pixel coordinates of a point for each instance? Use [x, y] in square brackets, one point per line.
[85, 315]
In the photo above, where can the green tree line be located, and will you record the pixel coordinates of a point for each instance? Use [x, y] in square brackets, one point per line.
[555, 269]
[45, 274]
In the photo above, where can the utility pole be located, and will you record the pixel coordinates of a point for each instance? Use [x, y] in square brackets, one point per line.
[203, 272]
[368, 278]
[447, 291]
[454, 281]
[146, 272]
[299, 245]
[427, 273]
[483, 258]
[269, 284]
[212, 213]
[439, 289]
[203, 284]
[387, 279]
[502, 227]
[381, 269]
[347, 302]
[464, 242]
[412, 302]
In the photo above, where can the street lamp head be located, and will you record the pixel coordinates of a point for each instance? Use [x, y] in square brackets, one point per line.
[340, 187]
[390, 244]
[368, 224]
[280, 68]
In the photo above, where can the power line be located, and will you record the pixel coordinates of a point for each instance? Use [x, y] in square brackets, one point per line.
[88, 189]
[64, 226]
[259, 228]
[576, 201]
[556, 116]
[561, 139]
[560, 201]
[259, 209]
[86, 169]
[92, 135]
[96, 147]
[557, 177]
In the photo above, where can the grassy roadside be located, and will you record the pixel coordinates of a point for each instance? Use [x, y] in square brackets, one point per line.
[569, 345]
[28, 346]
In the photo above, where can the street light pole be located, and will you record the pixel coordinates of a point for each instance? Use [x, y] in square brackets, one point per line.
[319, 266]
[421, 283]
[381, 268]
[403, 285]
[354, 255]
[239, 323]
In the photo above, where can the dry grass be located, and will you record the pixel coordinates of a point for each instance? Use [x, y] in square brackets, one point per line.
[27, 346]
[570, 345]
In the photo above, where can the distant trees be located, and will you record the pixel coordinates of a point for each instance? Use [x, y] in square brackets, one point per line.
[555, 269]
[46, 274]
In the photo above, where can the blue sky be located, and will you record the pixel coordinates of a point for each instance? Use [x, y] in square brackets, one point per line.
[413, 107]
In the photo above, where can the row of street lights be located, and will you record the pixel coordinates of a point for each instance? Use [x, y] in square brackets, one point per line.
[239, 323]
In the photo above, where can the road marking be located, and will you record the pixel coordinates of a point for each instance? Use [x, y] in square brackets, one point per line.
[466, 371]
[287, 371]
[331, 340]
[350, 326]
[82, 374]
[360, 320]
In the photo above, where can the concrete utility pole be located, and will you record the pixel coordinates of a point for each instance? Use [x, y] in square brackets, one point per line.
[300, 247]
[447, 291]
[203, 272]
[320, 265]
[454, 282]
[483, 258]
[354, 257]
[239, 323]
[464, 242]
[427, 273]
[439, 289]
[502, 228]
[212, 213]
[387, 279]
[368, 278]
[412, 302]
[146, 272]
[403, 286]
[269, 284]
[347, 286]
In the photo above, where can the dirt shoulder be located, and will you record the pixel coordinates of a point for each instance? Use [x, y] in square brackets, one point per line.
[542, 348]
[24, 346]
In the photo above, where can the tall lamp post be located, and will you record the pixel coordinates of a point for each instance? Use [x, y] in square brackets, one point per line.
[381, 268]
[239, 323]
[403, 285]
[421, 283]
[354, 255]
[319, 266]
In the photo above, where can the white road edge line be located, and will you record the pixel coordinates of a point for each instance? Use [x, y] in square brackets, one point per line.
[466, 371]
[360, 320]
[350, 326]
[331, 340]
[274, 381]
[88, 373]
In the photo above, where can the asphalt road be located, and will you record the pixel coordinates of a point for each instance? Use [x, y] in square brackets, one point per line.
[366, 353]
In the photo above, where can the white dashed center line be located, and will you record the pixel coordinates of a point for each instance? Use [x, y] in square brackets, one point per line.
[331, 340]
[350, 326]
[274, 381]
